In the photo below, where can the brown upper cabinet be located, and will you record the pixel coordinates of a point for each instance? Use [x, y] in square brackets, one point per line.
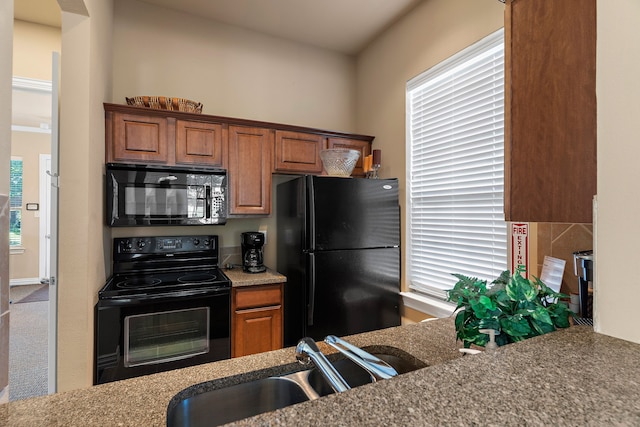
[250, 150]
[550, 110]
[138, 138]
[250, 170]
[354, 144]
[200, 143]
[298, 152]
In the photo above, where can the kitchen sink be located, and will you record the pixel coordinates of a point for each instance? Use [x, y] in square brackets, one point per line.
[234, 403]
[354, 375]
[197, 406]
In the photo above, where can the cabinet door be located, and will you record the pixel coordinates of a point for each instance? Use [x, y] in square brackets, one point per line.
[249, 169]
[298, 152]
[139, 138]
[550, 110]
[354, 144]
[257, 330]
[257, 319]
[199, 143]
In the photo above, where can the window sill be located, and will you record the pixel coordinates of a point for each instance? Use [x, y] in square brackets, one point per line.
[13, 250]
[428, 305]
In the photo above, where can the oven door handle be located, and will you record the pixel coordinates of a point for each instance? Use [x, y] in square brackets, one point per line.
[140, 299]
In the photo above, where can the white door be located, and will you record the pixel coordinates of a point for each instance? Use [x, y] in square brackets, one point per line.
[45, 218]
[53, 225]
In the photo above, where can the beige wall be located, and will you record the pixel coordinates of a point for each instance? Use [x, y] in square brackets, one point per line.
[382, 71]
[432, 32]
[28, 146]
[617, 292]
[233, 72]
[85, 85]
[33, 44]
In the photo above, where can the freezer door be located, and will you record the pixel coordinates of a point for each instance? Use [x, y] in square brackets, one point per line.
[352, 291]
[352, 213]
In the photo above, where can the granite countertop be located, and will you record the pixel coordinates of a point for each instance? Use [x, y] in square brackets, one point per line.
[240, 278]
[569, 377]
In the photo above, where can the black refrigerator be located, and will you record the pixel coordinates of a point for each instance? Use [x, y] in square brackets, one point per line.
[339, 247]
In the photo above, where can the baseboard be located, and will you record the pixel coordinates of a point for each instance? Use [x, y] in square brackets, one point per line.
[27, 281]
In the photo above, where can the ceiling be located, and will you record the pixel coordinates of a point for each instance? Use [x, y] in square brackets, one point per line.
[339, 25]
[344, 26]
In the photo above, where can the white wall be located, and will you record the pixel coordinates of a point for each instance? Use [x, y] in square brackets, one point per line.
[617, 292]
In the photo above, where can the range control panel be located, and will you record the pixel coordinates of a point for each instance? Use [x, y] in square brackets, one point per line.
[125, 247]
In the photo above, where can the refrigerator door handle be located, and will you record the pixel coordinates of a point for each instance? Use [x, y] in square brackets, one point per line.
[311, 209]
[312, 289]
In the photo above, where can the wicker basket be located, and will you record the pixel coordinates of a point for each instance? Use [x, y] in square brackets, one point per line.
[166, 103]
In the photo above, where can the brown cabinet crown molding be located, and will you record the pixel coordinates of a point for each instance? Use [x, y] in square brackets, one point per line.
[128, 109]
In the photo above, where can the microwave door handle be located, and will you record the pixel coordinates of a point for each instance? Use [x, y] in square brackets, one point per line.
[207, 201]
[167, 178]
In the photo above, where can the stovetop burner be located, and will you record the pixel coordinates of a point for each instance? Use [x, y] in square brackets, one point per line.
[198, 278]
[126, 285]
[137, 282]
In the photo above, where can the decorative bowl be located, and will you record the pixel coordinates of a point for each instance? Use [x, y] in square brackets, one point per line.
[166, 103]
[339, 161]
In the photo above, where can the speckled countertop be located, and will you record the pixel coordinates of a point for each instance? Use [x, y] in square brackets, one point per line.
[240, 278]
[570, 377]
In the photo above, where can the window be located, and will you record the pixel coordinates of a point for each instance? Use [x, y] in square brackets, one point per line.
[455, 169]
[15, 202]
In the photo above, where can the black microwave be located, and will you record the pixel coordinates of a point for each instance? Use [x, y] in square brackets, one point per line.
[141, 195]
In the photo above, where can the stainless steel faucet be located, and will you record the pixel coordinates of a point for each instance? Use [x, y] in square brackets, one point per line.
[377, 368]
[307, 351]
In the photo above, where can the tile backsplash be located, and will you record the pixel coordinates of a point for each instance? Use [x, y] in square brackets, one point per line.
[561, 240]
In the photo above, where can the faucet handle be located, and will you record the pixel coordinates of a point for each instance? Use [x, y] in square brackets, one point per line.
[378, 368]
[305, 345]
[307, 351]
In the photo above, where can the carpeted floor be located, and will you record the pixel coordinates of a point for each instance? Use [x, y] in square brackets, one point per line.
[36, 293]
[28, 341]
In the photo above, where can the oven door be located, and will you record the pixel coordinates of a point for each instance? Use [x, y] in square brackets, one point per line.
[145, 336]
[172, 196]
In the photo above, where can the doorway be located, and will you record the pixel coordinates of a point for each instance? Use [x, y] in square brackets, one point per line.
[33, 139]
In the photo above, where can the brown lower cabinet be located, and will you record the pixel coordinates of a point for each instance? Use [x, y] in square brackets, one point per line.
[256, 324]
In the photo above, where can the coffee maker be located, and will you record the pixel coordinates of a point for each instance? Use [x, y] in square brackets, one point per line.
[251, 243]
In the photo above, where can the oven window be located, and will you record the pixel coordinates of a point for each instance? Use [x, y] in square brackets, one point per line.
[166, 336]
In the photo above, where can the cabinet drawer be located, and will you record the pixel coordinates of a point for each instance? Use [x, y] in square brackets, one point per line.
[259, 296]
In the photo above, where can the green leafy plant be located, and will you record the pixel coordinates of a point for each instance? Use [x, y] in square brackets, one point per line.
[516, 307]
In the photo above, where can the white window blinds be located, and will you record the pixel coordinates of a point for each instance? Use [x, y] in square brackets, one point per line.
[455, 119]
